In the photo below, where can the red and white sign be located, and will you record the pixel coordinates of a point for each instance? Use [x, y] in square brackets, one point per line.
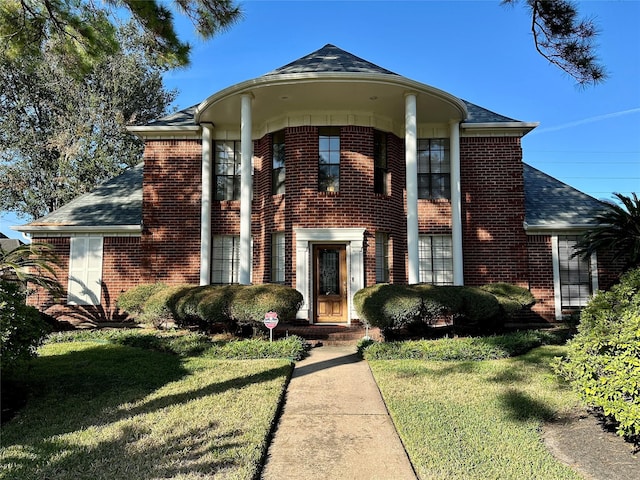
[270, 320]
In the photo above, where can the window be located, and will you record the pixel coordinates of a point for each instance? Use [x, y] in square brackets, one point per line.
[435, 255]
[380, 162]
[277, 257]
[329, 162]
[434, 170]
[382, 257]
[227, 170]
[575, 274]
[225, 259]
[85, 271]
[277, 163]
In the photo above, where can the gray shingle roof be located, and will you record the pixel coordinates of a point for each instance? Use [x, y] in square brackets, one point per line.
[116, 202]
[330, 59]
[549, 202]
[482, 115]
[177, 119]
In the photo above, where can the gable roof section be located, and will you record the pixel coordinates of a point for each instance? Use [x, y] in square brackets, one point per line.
[553, 205]
[330, 59]
[115, 205]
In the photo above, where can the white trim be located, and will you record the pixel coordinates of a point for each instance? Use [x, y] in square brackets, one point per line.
[205, 205]
[84, 285]
[557, 293]
[548, 229]
[411, 161]
[305, 238]
[595, 286]
[246, 191]
[456, 204]
[107, 230]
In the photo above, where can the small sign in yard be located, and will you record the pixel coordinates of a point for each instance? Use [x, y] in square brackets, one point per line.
[270, 321]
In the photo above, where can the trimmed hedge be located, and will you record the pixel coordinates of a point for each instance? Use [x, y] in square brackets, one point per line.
[211, 306]
[393, 307]
[603, 359]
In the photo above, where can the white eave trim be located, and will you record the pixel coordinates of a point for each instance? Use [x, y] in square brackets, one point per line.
[163, 131]
[57, 229]
[300, 78]
[555, 227]
[525, 127]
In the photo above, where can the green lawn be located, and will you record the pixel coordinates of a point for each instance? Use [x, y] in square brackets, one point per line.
[477, 419]
[106, 411]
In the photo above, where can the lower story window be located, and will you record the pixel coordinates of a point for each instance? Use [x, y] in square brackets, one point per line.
[575, 274]
[225, 259]
[382, 257]
[277, 257]
[85, 271]
[436, 259]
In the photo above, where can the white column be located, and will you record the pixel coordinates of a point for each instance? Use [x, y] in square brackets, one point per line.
[302, 279]
[411, 160]
[205, 206]
[456, 203]
[246, 191]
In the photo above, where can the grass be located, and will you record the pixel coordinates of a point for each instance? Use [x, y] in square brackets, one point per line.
[477, 419]
[104, 410]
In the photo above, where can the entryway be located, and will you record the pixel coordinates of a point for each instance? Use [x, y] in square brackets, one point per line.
[330, 283]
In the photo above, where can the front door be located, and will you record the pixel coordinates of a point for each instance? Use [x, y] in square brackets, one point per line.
[330, 283]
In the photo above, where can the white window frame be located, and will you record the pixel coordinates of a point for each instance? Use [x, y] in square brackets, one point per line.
[557, 277]
[229, 275]
[382, 257]
[85, 270]
[278, 253]
[436, 268]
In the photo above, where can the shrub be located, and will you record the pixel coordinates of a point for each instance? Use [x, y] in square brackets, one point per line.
[512, 299]
[160, 307]
[250, 303]
[292, 347]
[207, 307]
[132, 301]
[22, 329]
[603, 359]
[394, 307]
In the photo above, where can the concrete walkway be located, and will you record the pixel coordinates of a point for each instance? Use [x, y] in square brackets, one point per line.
[335, 424]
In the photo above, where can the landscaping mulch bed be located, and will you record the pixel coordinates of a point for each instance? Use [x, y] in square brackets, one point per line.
[587, 443]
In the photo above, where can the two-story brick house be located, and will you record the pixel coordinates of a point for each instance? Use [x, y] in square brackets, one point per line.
[328, 174]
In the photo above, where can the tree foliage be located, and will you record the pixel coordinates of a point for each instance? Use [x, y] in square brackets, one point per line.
[84, 31]
[617, 231]
[565, 39]
[34, 263]
[60, 136]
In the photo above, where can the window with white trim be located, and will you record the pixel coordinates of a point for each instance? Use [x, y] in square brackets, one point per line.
[434, 168]
[382, 257]
[278, 163]
[380, 171]
[225, 259]
[85, 271]
[435, 256]
[575, 274]
[277, 257]
[227, 170]
[329, 159]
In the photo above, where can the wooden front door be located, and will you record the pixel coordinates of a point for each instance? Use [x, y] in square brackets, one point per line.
[330, 283]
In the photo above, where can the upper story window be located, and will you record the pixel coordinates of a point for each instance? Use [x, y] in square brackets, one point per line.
[434, 168]
[277, 163]
[380, 162]
[227, 170]
[329, 161]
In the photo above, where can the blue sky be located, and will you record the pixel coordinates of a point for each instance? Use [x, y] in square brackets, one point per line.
[477, 50]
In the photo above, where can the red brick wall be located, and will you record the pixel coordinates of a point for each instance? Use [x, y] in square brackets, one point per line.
[171, 211]
[540, 258]
[120, 272]
[494, 240]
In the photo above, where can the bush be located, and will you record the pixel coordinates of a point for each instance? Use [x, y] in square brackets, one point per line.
[512, 299]
[393, 307]
[160, 307]
[603, 359]
[22, 329]
[132, 301]
[206, 307]
[292, 347]
[250, 303]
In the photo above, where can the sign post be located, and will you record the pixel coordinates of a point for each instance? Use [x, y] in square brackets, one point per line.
[270, 321]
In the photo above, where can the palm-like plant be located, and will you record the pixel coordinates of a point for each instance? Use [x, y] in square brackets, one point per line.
[34, 263]
[617, 231]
